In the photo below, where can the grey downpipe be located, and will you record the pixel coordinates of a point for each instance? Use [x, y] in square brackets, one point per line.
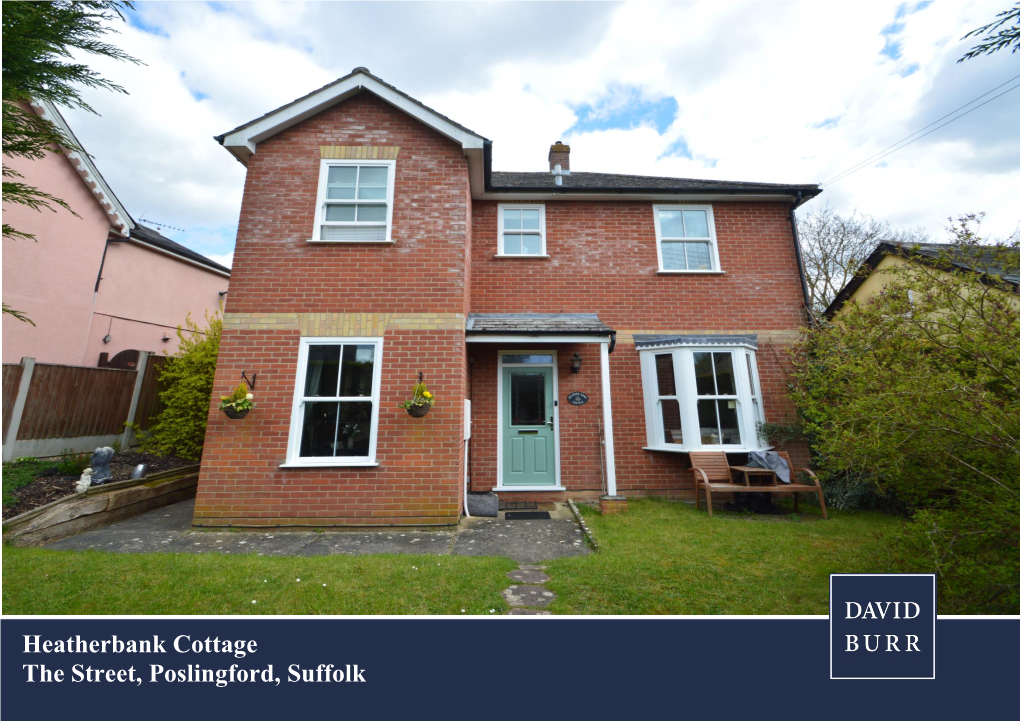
[800, 259]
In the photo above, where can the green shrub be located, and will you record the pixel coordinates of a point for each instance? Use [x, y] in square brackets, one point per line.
[187, 380]
[72, 464]
[21, 472]
[912, 395]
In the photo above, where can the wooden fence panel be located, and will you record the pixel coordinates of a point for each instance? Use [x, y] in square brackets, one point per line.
[73, 401]
[149, 403]
[11, 381]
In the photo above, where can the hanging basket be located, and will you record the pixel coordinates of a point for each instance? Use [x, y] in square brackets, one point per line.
[236, 414]
[418, 411]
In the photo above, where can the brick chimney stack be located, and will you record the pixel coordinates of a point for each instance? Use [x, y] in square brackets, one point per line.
[559, 154]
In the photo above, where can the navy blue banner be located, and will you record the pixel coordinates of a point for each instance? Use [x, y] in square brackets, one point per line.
[380, 668]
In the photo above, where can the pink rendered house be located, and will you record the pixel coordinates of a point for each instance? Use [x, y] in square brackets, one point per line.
[99, 283]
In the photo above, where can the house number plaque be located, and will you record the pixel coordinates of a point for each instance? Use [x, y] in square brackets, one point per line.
[577, 398]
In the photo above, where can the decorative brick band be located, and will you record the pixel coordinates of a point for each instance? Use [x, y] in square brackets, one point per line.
[343, 324]
[772, 337]
[359, 152]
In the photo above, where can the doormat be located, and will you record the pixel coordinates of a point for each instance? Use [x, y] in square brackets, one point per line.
[527, 515]
[518, 505]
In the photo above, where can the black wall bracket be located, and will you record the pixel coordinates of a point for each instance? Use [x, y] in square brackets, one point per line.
[250, 381]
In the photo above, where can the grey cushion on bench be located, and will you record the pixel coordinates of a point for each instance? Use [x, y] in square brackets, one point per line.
[771, 460]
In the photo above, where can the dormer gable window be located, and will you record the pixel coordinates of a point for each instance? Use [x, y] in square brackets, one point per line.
[355, 201]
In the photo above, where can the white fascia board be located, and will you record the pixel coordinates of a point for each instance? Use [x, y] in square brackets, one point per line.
[243, 141]
[651, 197]
[120, 220]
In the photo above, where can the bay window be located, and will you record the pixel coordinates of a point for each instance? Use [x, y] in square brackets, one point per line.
[336, 402]
[700, 394]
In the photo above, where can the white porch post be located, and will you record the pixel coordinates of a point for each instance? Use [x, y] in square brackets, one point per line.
[607, 420]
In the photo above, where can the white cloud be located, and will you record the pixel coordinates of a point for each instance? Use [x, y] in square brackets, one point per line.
[226, 259]
[753, 85]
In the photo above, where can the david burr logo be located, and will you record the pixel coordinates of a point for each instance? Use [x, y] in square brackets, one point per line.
[882, 626]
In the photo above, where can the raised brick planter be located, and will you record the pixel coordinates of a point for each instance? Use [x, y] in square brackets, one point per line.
[612, 504]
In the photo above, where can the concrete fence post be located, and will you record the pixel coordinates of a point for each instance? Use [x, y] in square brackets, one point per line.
[129, 433]
[28, 367]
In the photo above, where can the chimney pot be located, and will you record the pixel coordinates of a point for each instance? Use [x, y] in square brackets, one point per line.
[559, 155]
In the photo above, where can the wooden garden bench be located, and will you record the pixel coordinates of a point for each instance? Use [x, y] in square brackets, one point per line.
[712, 472]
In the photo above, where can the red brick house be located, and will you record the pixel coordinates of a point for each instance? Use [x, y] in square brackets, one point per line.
[581, 331]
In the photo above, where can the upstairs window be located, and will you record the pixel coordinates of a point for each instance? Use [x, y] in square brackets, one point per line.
[685, 238]
[355, 202]
[522, 230]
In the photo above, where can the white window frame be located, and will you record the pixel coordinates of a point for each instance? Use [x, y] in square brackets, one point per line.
[294, 459]
[748, 414]
[540, 207]
[713, 245]
[321, 201]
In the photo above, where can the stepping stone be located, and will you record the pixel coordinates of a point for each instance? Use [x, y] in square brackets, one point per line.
[528, 596]
[522, 575]
[527, 612]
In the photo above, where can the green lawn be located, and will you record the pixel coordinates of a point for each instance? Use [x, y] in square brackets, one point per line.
[658, 558]
[38, 581]
[666, 558]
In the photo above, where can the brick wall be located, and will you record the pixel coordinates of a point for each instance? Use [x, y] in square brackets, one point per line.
[416, 292]
[603, 260]
[411, 292]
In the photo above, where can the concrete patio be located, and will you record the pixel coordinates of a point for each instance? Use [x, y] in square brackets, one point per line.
[168, 530]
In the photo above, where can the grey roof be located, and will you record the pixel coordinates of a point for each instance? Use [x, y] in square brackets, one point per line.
[536, 323]
[966, 257]
[651, 341]
[363, 71]
[150, 236]
[609, 182]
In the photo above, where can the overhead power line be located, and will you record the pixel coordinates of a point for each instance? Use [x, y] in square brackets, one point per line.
[903, 142]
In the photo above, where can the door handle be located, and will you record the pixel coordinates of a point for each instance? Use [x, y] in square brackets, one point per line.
[549, 422]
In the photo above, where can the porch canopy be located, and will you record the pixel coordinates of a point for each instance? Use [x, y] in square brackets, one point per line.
[540, 327]
[555, 328]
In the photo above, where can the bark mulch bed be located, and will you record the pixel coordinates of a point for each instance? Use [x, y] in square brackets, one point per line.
[50, 487]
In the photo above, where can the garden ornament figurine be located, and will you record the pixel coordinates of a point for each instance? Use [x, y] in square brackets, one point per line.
[84, 482]
[101, 465]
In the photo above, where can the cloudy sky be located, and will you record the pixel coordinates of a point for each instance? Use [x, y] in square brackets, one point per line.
[790, 92]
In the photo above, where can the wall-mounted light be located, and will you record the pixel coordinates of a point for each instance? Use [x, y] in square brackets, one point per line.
[165, 337]
[107, 338]
[575, 363]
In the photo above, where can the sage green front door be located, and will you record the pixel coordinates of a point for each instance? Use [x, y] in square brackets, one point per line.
[529, 440]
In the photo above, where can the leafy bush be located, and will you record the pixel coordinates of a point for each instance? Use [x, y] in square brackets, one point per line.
[187, 380]
[72, 464]
[914, 393]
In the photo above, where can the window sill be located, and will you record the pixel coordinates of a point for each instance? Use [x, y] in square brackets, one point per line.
[706, 449]
[501, 489]
[351, 242]
[690, 272]
[355, 464]
[521, 257]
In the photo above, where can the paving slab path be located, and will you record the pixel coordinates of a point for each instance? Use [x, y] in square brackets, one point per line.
[528, 598]
[168, 530]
